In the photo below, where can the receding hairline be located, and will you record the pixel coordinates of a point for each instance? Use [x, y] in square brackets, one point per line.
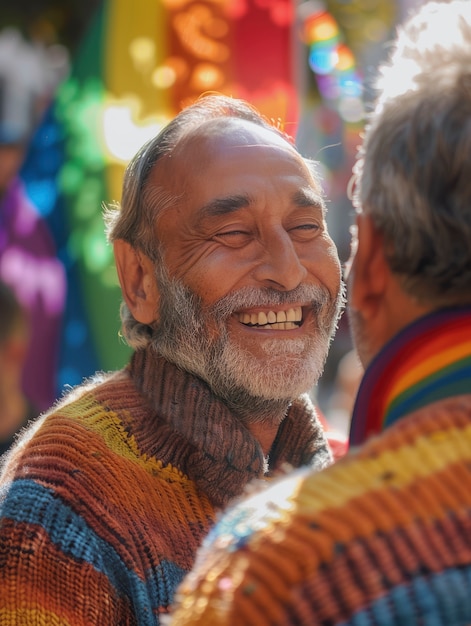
[235, 129]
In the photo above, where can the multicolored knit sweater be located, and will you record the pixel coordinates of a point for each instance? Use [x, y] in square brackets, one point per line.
[381, 538]
[104, 503]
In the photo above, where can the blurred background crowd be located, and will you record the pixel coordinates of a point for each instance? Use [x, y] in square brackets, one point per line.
[83, 83]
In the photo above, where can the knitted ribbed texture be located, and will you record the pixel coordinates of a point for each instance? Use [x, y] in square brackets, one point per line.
[428, 360]
[105, 502]
[380, 538]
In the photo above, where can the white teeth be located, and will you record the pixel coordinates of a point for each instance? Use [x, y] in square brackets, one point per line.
[283, 326]
[281, 316]
[281, 320]
[262, 319]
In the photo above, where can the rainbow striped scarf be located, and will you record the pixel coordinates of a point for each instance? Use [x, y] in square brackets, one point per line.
[427, 361]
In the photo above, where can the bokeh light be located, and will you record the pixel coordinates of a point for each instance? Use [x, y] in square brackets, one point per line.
[333, 63]
[123, 133]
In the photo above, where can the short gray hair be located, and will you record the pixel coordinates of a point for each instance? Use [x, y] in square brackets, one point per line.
[413, 172]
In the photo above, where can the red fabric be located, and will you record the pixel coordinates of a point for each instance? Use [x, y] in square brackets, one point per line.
[243, 47]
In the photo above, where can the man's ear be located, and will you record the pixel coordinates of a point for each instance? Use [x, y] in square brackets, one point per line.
[136, 273]
[369, 271]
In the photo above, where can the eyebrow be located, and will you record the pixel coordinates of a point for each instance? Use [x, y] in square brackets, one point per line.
[304, 197]
[308, 197]
[224, 206]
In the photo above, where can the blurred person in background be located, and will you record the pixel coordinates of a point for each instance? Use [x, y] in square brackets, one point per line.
[232, 291]
[383, 536]
[15, 409]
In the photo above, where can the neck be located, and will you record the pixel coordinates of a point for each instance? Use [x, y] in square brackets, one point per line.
[265, 435]
[225, 453]
[261, 417]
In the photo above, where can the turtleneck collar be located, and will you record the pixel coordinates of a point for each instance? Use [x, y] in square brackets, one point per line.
[429, 360]
[187, 426]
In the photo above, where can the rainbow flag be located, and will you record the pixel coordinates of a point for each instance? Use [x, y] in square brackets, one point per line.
[139, 64]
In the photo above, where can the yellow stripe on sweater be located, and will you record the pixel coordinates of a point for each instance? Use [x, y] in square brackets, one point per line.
[109, 427]
[25, 617]
[352, 477]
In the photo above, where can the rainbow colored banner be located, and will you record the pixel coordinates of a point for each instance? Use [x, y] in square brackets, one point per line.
[139, 64]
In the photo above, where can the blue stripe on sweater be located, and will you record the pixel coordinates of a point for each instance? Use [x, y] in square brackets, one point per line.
[440, 599]
[31, 503]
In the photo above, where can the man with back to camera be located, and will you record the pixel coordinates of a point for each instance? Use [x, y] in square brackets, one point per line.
[383, 536]
[232, 290]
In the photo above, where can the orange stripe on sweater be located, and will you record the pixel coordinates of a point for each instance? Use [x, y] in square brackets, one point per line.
[27, 595]
[89, 477]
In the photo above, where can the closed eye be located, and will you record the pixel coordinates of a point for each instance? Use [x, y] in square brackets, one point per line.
[234, 238]
[305, 232]
[307, 227]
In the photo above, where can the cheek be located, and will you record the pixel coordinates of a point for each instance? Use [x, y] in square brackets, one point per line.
[359, 336]
[350, 280]
[212, 281]
[216, 273]
[325, 265]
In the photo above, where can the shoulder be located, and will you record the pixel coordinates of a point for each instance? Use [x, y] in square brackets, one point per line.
[331, 543]
[65, 434]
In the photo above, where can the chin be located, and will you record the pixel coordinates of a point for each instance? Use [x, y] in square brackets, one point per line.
[280, 377]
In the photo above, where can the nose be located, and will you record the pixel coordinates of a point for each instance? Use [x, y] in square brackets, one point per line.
[280, 266]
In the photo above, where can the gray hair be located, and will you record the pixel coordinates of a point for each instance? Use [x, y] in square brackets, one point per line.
[134, 219]
[413, 172]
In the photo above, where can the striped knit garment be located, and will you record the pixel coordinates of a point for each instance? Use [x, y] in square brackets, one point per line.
[104, 502]
[427, 361]
[381, 538]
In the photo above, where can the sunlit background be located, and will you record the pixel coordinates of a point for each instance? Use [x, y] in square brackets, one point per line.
[123, 69]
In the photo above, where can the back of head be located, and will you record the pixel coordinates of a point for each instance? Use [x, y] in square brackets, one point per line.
[413, 173]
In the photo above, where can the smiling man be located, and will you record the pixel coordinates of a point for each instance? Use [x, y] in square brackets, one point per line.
[232, 290]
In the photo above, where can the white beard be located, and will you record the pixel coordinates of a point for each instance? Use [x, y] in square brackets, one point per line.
[288, 367]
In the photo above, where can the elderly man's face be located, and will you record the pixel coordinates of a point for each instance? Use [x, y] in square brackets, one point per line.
[249, 294]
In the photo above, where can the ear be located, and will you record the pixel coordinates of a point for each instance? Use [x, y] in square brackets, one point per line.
[136, 274]
[369, 271]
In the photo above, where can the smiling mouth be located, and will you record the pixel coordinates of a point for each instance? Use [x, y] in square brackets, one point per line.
[273, 320]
